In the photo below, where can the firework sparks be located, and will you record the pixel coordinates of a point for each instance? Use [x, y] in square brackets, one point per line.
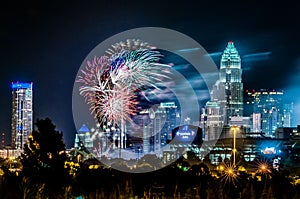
[94, 77]
[115, 105]
[138, 68]
[110, 82]
[129, 45]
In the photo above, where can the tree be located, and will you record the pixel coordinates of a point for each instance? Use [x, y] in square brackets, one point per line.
[43, 161]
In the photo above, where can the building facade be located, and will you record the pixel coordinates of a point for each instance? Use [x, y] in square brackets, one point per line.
[83, 136]
[22, 113]
[226, 96]
[271, 109]
[231, 78]
[154, 127]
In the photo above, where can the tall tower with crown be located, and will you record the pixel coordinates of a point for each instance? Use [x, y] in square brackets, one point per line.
[231, 79]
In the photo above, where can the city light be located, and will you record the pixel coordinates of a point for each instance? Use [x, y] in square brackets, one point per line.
[110, 84]
[234, 128]
[229, 174]
[263, 167]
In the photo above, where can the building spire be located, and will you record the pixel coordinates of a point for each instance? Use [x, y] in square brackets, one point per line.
[230, 57]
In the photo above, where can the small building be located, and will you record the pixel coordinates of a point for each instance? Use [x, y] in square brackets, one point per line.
[83, 136]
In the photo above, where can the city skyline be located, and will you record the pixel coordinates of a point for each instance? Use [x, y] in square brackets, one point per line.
[172, 56]
[230, 60]
[48, 50]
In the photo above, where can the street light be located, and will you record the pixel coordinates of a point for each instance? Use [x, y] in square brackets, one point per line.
[234, 128]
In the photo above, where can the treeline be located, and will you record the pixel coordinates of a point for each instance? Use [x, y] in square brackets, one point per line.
[168, 182]
[43, 174]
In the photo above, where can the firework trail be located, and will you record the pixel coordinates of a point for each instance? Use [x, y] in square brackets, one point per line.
[129, 45]
[94, 77]
[109, 83]
[115, 105]
[137, 68]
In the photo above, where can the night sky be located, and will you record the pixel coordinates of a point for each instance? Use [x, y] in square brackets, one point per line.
[46, 43]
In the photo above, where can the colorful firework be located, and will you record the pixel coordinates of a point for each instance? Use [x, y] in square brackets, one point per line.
[137, 68]
[95, 77]
[110, 82]
[115, 105]
[128, 45]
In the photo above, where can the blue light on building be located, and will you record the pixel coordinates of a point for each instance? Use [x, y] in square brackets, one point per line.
[19, 85]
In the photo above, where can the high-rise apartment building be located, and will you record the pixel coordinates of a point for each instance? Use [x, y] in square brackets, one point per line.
[22, 113]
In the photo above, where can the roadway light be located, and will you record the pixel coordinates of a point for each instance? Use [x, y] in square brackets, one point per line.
[234, 128]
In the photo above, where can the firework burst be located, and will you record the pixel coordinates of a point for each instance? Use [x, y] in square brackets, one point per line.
[115, 105]
[128, 45]
[110, 82]
[138, 68]
[95, 77]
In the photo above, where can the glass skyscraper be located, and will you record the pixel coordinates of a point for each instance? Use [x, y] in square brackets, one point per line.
[228, 90]
[22, 114]
[226, 94]
[231, 77]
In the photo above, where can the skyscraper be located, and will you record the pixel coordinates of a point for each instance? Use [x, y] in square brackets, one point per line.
[231, 77]
[163, 119]
[22, 113]
[226, 95]
[228, 90]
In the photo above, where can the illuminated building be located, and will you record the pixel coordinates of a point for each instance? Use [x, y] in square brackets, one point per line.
[184, 138]
[211, 121]
[155, 127]
[171, 119]
[231, 81]
[270, 108]
[226, 96]
[240, 122]
[22, 113]
[139, 135]
[256, 122]
[83, 137]
[146, 140]
[250, 148]
[163, 119]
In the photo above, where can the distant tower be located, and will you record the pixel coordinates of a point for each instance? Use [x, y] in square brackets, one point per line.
[22, 113]
[231, 79]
